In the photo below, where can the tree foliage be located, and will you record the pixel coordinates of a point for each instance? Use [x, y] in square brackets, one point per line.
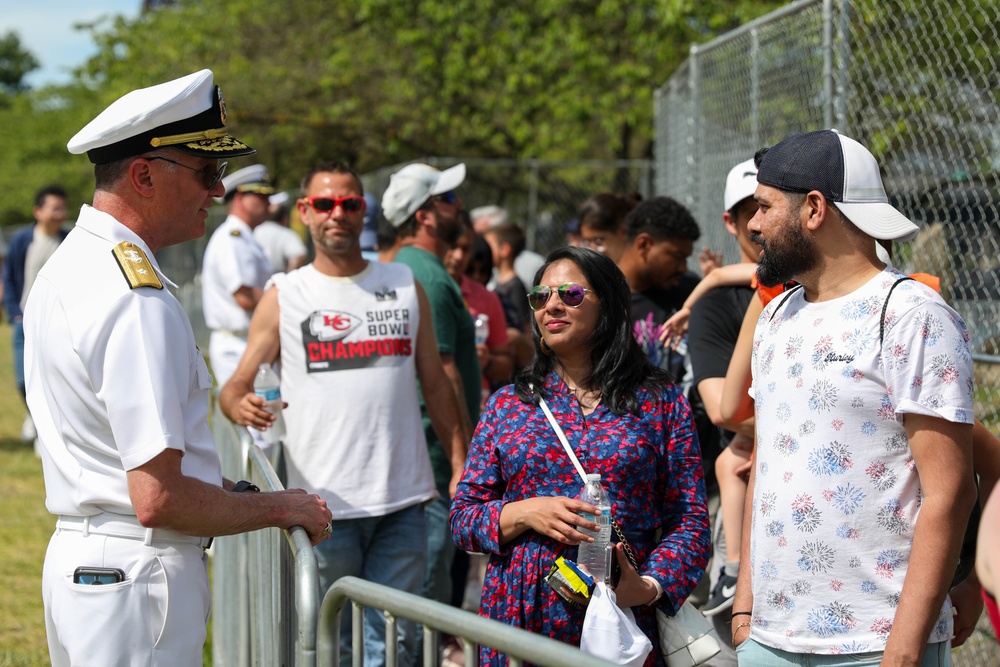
[15, 63]
[375, 82]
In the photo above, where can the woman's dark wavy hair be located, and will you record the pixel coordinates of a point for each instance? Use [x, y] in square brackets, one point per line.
[619, 367]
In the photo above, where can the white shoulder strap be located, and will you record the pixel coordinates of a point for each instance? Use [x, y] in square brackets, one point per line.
[562, 439]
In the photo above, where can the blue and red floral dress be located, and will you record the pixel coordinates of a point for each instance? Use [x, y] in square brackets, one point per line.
[651, 467]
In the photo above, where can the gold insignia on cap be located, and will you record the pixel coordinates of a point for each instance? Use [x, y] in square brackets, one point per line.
[234, 232]
[135, 266]
[156, 142]
[226, 143]
[222, 104]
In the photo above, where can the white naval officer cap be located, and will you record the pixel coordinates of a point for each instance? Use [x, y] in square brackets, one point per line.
[413, 185]
[188, 114]
[253, 179]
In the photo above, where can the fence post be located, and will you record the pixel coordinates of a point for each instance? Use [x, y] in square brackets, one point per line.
[532, 226]
[694, 139]
[828, 64]
[843, 67]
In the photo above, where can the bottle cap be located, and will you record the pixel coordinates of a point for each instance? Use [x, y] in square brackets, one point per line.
[594, 477]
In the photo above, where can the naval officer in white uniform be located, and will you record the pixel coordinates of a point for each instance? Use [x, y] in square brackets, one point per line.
[235, 269]
[119, 393]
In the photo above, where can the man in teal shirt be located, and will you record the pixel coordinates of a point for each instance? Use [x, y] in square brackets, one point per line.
[420, 202]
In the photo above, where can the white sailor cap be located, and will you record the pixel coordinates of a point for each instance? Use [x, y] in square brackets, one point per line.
[253, 179]
[188, 114]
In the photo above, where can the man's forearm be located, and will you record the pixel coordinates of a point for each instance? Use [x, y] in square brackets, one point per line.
[449, 418]
[937, 541]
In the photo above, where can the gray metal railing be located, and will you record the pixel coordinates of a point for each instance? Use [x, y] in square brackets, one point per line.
[519, 645]
[266, 602]
[265, 589]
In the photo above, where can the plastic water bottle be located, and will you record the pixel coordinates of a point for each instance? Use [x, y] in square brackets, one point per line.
[596, 555]
[267, 385]
[482, 328]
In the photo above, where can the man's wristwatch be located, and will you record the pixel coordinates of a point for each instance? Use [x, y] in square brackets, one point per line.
[244, 485]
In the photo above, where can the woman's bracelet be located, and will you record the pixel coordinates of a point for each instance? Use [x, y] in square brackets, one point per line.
[741, 613]
[741, 625]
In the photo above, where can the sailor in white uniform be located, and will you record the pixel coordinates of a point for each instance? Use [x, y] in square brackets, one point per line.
[119, 394]
[235, 269]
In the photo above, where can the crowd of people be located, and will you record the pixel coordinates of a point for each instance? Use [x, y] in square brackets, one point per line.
[810, 401]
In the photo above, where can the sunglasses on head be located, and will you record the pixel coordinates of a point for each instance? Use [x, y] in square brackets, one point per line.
[351, 203]
[571, 294]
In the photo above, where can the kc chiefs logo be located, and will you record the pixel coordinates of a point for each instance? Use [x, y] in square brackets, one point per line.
[332, 324]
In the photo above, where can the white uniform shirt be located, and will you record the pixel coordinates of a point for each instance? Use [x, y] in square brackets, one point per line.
[837, 492]
[232, 259]
[113, 374]
[280, 244]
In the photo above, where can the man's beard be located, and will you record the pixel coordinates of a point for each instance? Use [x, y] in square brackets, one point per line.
[790, 254]
[449, 230]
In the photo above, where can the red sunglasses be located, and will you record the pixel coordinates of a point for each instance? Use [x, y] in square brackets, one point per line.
[351, 203]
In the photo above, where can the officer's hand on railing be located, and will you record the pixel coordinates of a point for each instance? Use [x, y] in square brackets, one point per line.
[309, 511]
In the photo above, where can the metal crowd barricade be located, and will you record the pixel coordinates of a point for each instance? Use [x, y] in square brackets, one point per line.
[266, 600]
[265, 588]
[519, 645]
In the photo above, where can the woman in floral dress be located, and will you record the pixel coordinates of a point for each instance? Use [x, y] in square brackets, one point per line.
[625, 420]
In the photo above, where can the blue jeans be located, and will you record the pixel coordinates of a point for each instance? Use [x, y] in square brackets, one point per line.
[18, 347]
[440, 552]
[389, 550]
[754, 654]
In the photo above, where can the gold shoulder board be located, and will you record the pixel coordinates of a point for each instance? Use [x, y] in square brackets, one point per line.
[234, 232]
[135, 266]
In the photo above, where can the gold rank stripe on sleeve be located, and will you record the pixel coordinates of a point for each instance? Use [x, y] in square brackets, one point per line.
[135, 266]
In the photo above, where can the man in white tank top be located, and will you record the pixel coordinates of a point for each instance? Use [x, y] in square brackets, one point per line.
[353, 337]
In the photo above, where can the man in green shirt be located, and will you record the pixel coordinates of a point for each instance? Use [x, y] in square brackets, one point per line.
[420, 202]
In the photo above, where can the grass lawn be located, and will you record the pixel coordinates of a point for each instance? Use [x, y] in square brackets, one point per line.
[25, 527]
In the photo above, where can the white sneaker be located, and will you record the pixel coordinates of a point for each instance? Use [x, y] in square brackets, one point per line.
[28, 432]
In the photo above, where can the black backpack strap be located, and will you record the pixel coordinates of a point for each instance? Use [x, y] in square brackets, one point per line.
[788, 295]
[885, 308]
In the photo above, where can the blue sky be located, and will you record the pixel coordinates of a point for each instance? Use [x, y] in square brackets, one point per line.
[46, 29]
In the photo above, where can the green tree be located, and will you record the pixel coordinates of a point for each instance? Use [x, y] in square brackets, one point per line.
[15, 63]
[379, 81]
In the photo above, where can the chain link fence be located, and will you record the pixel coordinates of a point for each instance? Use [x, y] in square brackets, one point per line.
[918, 82]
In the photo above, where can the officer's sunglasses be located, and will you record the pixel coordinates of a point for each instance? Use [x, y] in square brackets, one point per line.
[351, 203]
[571, 294]
[208, 176]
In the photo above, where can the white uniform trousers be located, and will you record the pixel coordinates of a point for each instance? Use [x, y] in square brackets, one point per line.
[156, 616]
[225, 349]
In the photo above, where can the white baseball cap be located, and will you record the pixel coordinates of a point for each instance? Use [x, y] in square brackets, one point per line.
[740, 184]
[844, 171]
[188, 114]
[413, 185]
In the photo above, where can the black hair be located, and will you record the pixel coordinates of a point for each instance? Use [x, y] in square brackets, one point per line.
[332, 167]
[385, 233]
[480, 254]
[619, 368]
[49, 191]
[662, 218]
